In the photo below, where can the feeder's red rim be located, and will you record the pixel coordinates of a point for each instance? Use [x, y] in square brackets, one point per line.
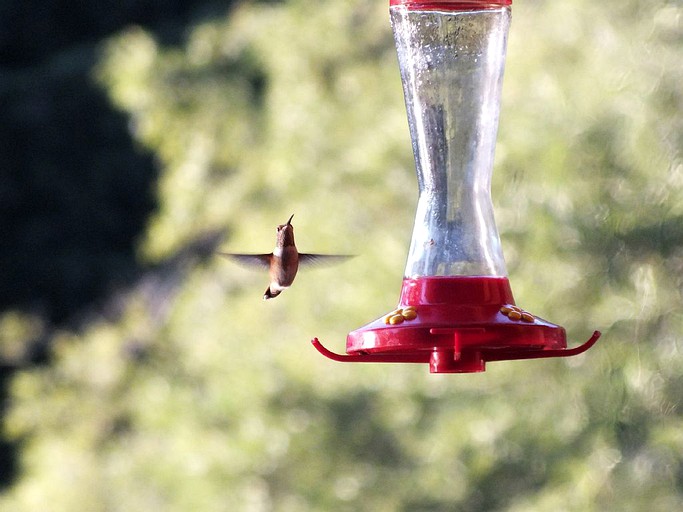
[451, 5]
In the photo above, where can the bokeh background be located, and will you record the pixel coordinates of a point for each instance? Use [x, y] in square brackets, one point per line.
[141, 372]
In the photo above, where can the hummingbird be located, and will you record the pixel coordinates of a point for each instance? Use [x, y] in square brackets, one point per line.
[283, 263]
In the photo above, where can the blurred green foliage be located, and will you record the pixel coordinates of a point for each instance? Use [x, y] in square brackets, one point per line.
[187, 392]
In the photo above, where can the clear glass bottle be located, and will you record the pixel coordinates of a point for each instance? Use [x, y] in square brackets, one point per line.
[452, 64]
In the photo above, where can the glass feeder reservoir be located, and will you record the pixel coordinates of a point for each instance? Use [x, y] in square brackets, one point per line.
[456, 310]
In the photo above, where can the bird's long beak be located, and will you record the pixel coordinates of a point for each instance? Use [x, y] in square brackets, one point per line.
[290, 220]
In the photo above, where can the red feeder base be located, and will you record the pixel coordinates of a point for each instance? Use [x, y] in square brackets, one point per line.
[456, 324]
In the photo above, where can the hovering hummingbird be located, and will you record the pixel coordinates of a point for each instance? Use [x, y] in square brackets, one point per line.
[283, 263]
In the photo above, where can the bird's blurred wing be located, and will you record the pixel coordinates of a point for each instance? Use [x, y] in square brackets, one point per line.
[319, 260]
[249, 260]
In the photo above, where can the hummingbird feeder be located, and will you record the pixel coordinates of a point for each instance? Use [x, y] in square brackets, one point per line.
[456, 310]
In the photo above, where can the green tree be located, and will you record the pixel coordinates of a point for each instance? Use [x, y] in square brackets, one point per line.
[187, 392]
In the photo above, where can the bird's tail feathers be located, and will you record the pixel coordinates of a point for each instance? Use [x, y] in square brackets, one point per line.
[270, 294]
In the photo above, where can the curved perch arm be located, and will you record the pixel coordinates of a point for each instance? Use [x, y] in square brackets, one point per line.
[423, 357]
[563, 352]
[582, 348]
[369, 358]
[333, 355]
